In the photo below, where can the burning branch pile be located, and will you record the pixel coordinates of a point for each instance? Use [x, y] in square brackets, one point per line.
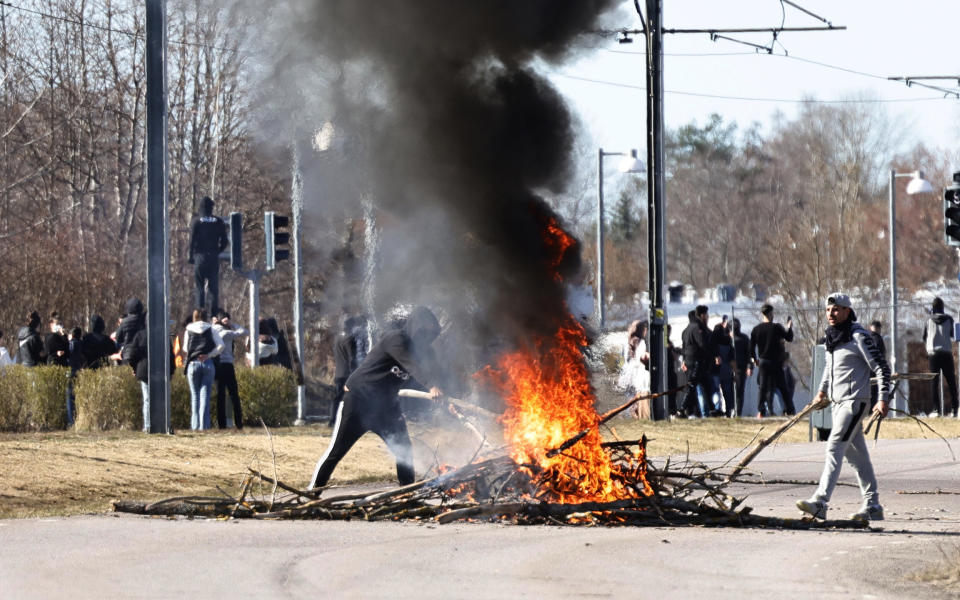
[502, 490]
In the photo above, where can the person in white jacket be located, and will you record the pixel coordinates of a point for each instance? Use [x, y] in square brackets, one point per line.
[201, 343]
[226, 375]
[852, 359]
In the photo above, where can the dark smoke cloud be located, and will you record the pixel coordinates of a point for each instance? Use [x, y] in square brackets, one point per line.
[443, 120]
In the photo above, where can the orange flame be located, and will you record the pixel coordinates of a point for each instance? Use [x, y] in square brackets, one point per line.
[550, 400]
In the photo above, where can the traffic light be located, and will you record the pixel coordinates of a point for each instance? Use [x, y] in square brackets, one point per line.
[276, 239]
[236, 241]
[951, 212]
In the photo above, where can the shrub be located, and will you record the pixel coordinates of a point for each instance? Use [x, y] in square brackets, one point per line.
[14, 381]
[34, 399]
[269, 393]
[47, 400]
[108, 398]
[179, 400]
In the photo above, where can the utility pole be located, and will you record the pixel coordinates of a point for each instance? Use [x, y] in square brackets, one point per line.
[158, 224]
[656, 248]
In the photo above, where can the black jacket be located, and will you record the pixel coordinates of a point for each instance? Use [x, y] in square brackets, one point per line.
[741, 351]
[77, 358]
[133, 321]
[697, 348]
[138, 356]
[766, 341]
[97, 345]
[401, 355]
[57, 342]
[30, 348]
[208, 234]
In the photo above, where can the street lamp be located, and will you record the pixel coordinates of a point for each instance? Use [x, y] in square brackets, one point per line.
[629, 164]
[917, 185]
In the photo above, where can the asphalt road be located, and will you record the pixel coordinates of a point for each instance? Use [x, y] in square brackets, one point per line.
[139, 557]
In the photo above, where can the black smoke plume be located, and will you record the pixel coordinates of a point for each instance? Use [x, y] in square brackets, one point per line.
[444, 120]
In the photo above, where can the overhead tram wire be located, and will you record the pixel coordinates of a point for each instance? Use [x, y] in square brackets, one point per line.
[747, 99]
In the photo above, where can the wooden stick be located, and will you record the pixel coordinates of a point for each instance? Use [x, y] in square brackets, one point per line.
[769, 440]
[408, 393]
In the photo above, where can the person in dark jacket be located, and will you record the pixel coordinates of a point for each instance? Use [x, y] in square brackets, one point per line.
[77, 361]
[134, 319]
[349, 350]
[55, 345]
[698, 355]
[97, 345]
[743, 364]
[721, 373]
[30, 349]
[767, 348]
[400, 358]
[938, 340]
[208, 238]
[138, 362]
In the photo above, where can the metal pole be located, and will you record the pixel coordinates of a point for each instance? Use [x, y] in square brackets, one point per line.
[254, 277]
[893, 272]
[296, 210]
[158, 225]
[600, 293]
[655, 204]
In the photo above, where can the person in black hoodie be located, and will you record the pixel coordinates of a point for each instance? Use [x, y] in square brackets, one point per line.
[97, 346]
[30, 350]
[698, 355]
[56, 345]
[208, 238]
[134, 319]
[400, 358]
[138, 362]
[938, 340]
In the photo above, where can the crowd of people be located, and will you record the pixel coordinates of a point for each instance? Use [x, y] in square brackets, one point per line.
[204, 349]
[717, 363]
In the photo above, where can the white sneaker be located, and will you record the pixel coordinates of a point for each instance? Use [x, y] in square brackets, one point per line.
[871, 512]
[815, 508]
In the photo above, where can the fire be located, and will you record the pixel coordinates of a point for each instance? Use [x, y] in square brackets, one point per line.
[549, 401]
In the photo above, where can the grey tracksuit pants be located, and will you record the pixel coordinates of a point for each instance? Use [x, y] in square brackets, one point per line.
[847, 440]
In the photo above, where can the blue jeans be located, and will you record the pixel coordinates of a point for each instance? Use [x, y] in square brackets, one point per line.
[145, 392]
[200, 377]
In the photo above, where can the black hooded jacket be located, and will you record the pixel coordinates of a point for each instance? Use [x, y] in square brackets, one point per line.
[697, 347]
[30, 348]
[133, 321]
[401, 355]
[208, 234]
[97, 345]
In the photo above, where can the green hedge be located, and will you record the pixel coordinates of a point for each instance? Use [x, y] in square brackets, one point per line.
[34, 399]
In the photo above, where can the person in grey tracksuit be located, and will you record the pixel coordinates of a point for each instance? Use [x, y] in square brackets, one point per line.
[852, 358]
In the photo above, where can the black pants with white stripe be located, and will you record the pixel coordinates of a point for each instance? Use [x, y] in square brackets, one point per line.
[358, 414]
